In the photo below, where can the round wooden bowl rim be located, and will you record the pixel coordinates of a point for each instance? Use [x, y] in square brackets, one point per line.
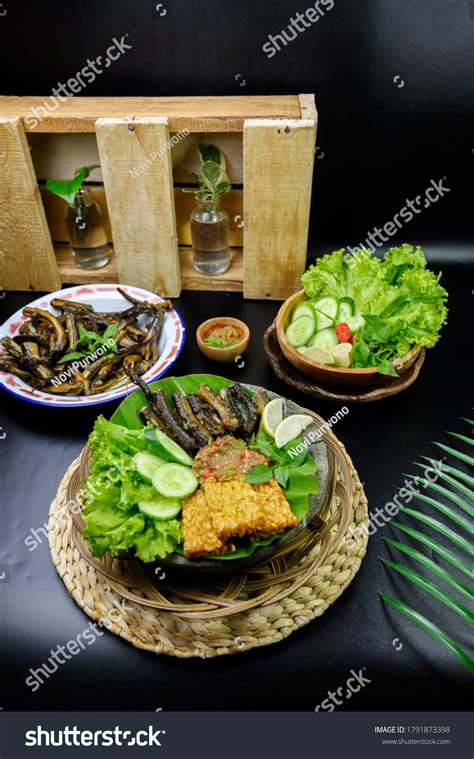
[326, 367]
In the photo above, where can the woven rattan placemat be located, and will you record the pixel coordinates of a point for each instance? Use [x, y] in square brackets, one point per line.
[209, 616]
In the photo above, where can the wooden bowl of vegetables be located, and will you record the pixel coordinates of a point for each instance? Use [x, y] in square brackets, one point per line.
[223, 338]
[314, 341]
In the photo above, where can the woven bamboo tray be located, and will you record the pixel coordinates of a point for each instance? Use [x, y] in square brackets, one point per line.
[209, 616]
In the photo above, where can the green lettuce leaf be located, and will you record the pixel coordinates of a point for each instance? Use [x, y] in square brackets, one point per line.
[328, 276]
[404, 300]
[111, 495]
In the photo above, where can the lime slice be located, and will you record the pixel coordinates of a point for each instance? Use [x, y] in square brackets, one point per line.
[321, 355]
[290, 428]
[272, 415]
[342, 355]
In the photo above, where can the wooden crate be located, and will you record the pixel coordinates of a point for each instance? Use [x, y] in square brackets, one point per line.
[269, 144]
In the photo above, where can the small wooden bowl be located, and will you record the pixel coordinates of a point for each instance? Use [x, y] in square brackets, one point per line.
[222, 354]
[332, 375]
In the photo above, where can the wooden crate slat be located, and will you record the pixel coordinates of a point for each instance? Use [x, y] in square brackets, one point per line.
[56, 156]
[278, 173]
[27, 260]
[231, 281]
[73, 275]
[141, 208]
[269, 145]
[308, 107]
[198, 114]
[232, 202]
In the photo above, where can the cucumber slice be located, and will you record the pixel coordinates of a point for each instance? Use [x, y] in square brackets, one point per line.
[175, 481]
[146, 464]
[304, 309]
[167, 448]
[161, 508]
[355, 323]
[300, 330]
[326, 312]
[325, 338]
[346, 309]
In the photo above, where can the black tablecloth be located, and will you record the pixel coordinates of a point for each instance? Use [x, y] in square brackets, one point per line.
[407, 669]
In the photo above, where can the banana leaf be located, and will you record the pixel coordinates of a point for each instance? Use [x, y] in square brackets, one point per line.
[302, 482]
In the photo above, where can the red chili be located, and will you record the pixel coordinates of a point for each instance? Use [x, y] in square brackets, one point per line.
[343, 332]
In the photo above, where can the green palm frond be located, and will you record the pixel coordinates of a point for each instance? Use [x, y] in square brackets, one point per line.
[456, 472]
[433, 545]
[441, 528]
[457, 489]
[446, 510]
[469, 421]
[432, 629]
[432, 588]
[468, 440]
[433, 566]
[452, 481]
[457, 454]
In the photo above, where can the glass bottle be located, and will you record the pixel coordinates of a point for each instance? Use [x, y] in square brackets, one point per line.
[86, 231]
[210, 237]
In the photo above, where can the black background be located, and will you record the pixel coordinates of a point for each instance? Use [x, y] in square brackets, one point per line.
[381, 144]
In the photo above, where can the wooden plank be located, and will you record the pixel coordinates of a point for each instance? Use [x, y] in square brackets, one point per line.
[57, 156]
[27, 260]
[231, 281]
[141, 208]
[308, 107]
[232, 203]
[198, 114]
[278, 172]
[73, 275]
